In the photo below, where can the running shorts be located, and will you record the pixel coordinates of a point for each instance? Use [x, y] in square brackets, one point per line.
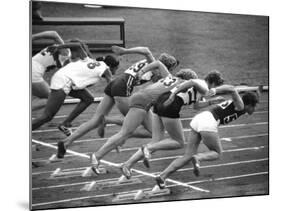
[171, 111]
[141, 100]
[204, 121]
[121, 86]
[60, 81]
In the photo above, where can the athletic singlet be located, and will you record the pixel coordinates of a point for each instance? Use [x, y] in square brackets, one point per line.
[45, 59]
[133, 71]
[163, 85]
[135, 68]
[225, 112]
[192, 95]
[84, 73]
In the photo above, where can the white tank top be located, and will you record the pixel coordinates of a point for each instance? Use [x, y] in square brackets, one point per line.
[84, 73]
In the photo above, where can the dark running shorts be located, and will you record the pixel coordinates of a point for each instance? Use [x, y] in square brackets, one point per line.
[141, 100]
[121, 86]
[171, 111]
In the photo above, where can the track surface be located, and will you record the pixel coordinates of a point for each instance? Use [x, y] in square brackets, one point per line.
[242, 170]
[233, 44]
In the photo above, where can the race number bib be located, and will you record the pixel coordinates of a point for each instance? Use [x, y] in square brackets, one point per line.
[93, 65]
[230, 118]
[168, 81]
[134, 69]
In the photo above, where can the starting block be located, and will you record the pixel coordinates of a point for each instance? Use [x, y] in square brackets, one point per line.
[143, 194]
[79, 172]
[98, 185]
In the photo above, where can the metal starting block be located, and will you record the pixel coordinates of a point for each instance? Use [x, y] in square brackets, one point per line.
[143, 194]
[79, 172]
[98, 185]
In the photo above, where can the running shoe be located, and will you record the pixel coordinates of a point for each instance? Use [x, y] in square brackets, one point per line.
[196, 166]
[101, 128]
[146, 156]
[126, 171]
[95, 164]
[66, 131]
[160, 182]
[61, 150]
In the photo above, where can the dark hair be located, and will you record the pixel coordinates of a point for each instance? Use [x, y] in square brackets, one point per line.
[250, 98]
[109, 60]
[168, 60]
[83, 45]
[186, 74]
[214, 77]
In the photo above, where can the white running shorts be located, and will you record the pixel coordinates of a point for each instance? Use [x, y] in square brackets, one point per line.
[60, 81]
[204, 121]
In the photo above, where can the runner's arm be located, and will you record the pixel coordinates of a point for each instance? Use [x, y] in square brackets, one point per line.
[53, 35]
[136, 50]
[229, 89]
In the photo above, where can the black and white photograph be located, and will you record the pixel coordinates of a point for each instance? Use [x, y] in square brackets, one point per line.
[135, 105]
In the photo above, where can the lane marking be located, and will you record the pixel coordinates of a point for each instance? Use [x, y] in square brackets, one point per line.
[162, 158]
[187, 118]
[180, 170]
[133, 148]
[109, 195]
[116, 165]
[74, 128]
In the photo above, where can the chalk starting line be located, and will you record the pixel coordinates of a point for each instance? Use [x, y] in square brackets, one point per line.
[117, 165]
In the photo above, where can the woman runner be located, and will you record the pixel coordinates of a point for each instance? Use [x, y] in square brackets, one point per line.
[204, 127]
[166, 115]
[118, 92]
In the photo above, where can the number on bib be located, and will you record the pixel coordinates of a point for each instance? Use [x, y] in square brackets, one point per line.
[168, 81]
[134, 69]
[230, 118]
[191, 95]
[92, 65]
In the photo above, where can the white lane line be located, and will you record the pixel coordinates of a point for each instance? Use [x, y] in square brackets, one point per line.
[110, 195]
[180, 170]
[74, 128]
[136, 148]
[133, 148]
[116, 165]
[166, 158]
[188, 118]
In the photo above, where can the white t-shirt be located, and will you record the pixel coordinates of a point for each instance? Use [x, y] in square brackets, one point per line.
[83, 73]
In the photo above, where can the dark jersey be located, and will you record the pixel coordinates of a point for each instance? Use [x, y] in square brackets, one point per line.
[225, 112]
